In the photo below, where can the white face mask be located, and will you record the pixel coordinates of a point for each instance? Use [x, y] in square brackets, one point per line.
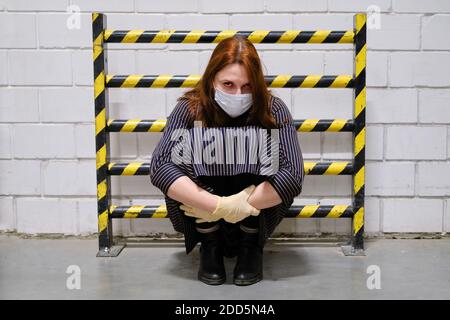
[233, 104]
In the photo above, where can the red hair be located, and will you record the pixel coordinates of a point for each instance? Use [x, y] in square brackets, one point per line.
[202, 105]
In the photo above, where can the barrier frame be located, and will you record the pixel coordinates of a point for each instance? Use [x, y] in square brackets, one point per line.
[103, 125]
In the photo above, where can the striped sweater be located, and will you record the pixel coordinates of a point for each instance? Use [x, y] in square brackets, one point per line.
[166, 165]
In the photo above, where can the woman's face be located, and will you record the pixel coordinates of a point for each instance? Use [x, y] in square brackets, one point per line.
[233, 79]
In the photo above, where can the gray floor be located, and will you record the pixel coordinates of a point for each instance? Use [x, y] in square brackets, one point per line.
[36, 269]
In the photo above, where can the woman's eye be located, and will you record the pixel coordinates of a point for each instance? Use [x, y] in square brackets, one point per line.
[227, 84]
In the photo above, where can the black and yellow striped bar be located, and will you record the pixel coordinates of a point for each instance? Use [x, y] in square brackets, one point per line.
[101, 134]
[207, 36]
[302, 125]
[311, 168]
[305, 211]
[189, 81]
[359, 134]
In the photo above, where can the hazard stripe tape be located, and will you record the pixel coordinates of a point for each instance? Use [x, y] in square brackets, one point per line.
[303, 211]
[206, 36]
[310, 168]
[100, 128]
[187, 81]
[360, 130]
[302, 125]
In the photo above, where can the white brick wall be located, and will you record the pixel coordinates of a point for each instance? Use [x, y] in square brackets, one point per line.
[39, 67]
[296, 5]
[31, 6]
[5, 141]
[412, 215]
[8, 214]
[52, 35]
[105, 5]
[432, 178]
[397, 32]
[447, 215]
[47, 145]
[20, 177]
[399, 105]
[40, 215]
[17, 30]
[75, 102]
[435, 27]
[434, 106]
[390, 178]
[33, 141]
[357, 5]
[231, 6]
[430, 6]
[19, 104]
[416, 143]
[425, 69]
[3, 67]
[167, 6]
[68, 177]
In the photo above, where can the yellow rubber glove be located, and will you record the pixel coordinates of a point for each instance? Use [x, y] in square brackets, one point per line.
[203, 215]
[232, 208]
[235, 208]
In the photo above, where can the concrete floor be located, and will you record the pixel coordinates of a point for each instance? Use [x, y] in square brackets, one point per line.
[36, 269]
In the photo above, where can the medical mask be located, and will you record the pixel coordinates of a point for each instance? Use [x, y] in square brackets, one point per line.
[233, 104]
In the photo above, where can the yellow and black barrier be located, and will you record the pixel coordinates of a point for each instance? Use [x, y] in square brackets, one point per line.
[187, 81]
[311, 168]
[158, 125]
[309, 211]
[205, 36]
[104, 125]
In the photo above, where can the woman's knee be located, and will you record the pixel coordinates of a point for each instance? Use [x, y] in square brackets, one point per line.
[206, 227]
[251, 222]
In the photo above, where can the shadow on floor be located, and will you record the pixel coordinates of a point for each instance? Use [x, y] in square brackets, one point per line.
[278, 264]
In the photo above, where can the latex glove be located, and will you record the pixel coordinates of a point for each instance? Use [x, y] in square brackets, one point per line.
[203, 215]
[232, 208]
[235, 207]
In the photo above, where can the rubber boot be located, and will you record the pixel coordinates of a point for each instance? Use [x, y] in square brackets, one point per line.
[212, 269]
[249, 266]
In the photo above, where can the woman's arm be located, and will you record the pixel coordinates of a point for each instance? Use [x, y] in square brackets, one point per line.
[287, 182]
[264, 196]
[188, 192]
[163, 169]
[169, 177]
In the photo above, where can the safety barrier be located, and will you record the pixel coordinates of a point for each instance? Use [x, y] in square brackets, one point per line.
[103, 125]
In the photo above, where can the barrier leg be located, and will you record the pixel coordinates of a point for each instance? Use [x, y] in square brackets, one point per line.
[106, 244]
[356, 246]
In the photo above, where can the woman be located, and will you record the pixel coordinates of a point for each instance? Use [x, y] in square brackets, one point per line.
[230, 208]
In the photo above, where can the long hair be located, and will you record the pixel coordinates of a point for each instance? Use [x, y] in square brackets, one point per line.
[202, 105]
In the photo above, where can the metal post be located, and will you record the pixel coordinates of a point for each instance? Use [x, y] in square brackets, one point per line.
[106, 244]
[356, 248]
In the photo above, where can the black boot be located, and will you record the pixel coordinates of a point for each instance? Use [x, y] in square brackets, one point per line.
[212, 269]
[249, 268]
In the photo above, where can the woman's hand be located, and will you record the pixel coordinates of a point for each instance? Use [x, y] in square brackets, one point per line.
[235, 208]
[202, 215]
[232, 208]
